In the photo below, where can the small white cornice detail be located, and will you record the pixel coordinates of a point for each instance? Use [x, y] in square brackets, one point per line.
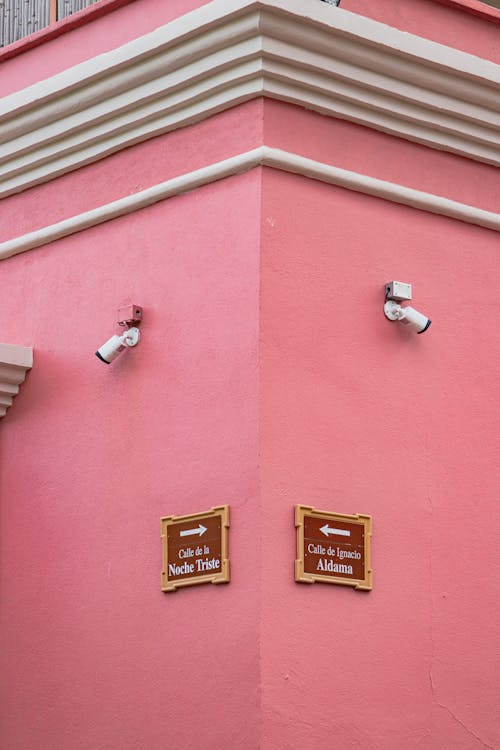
[301, 51]
[265, 156]
[14, 363]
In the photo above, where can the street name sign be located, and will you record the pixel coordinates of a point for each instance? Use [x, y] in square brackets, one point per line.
[333, 548]
[195, 548]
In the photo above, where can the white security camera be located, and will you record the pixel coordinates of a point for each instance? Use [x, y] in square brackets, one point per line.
[116, 344]
[410, 317]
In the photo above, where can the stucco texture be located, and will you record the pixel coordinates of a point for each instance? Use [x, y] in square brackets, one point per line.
[94, 655]
[359, 415]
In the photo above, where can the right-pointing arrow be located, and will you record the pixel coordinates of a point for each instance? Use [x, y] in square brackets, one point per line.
[339, 532]
[199, 531]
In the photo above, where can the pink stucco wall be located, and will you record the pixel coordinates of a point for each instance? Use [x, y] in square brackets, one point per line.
[468, 25]
[366, 151]
[360, 416]
[87, 34]
[93, 654]
[335, 407]
[267, 375]
[131, 170]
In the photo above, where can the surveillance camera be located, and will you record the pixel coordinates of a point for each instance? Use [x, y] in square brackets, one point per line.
[116, 344]
[410, 317]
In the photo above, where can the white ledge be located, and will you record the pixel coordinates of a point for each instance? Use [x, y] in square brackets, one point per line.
[14, 362]
[301, 51]
[262, 156]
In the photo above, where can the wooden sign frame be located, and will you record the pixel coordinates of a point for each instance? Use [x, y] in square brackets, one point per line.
[170, 583]
[363, 583]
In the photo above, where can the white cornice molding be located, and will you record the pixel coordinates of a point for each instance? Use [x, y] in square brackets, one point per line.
[262, 156]
[15, 361]
[301, 51]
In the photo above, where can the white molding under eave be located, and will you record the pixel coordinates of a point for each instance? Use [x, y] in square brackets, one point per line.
[15, 361]
[302, 51]
[263, 156]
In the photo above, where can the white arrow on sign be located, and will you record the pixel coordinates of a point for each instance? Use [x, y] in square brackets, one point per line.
[198, 531]
[339, 532]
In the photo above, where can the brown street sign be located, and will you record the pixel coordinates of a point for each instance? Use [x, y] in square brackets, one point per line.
[333, 548]
[195, 548]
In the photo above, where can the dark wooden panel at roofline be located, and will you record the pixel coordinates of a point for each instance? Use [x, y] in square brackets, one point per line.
[67, 7]
[19, 18]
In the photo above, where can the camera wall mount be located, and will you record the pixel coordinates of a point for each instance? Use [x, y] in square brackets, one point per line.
[397, 292]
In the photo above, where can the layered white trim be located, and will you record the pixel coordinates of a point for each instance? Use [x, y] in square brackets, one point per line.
[301, 51]
[15, 361]
[262, 156]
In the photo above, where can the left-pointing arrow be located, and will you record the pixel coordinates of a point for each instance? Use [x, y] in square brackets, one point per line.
[339, 532]
[199, 531]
